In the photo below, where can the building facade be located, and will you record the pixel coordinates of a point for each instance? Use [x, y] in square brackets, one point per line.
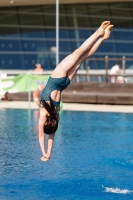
[28, 33]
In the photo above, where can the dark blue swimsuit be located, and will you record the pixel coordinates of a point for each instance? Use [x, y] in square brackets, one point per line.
[54, 84]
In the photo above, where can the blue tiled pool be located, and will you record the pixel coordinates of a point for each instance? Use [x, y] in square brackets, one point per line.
[92, 157]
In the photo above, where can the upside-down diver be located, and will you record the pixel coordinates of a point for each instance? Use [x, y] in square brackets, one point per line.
[60, 78]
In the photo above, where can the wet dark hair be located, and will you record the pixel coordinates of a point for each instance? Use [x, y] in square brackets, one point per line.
[52, 120]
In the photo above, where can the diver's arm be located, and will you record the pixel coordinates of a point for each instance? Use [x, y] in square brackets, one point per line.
[42, 121]
[50, 143]
[51, 139]
[36, 95]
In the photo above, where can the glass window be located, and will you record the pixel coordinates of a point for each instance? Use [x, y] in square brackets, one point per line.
[49, 20]
[52, 60]
[12, 61]
[106, 47]
[121, 22]
[10, 45]
[92, 64]
[123, 34]
[43, 59]
[64, 46]
[32, 33]
[49, 8]
[98, 13]
[99, 9]
[63, 33]
[7, 9]
[84, 34]
[121, 14]
[69, 8]
[32, 29]
[51, 46]
[120, 9]
[74, 45]
[112, 37]
[62, 9]
[9, 32]
[124, 47]
[98, 64]
[30, 61]
[96, 21]
[130, 8]
[50, 33]
[62, 21]
[30, 19]
[62, 56]
[70, 21]
[34, 45]
[83, 21]
[29, 9]
[9, 18]
[81, 9]
[71, 33]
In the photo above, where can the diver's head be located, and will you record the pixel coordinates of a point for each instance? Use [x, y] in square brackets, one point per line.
[51, 124]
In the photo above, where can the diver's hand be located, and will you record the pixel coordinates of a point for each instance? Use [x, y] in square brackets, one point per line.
[46, 157]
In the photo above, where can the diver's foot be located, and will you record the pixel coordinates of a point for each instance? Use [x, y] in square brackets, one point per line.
[108, 31]
[101, 29]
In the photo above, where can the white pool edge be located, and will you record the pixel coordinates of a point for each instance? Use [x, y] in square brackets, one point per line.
[70, 106]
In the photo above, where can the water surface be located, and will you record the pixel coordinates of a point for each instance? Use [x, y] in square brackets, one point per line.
[92, 157]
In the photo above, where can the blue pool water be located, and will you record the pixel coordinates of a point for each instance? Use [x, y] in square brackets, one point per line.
[92, 157]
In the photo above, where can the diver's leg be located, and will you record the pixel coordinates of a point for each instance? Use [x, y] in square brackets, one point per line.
[99, 41]
[89, 53]
[74, 59]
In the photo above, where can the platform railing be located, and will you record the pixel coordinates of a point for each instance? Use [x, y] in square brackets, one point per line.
[86, 75]
[125, 73]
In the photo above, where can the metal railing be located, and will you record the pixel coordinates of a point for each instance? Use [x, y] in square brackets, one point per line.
[86, 75]
[104, 75]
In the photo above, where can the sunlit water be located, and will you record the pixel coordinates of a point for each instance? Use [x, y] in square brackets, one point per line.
[92, 157]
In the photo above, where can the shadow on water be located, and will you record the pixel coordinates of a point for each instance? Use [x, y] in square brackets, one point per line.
[92, 157]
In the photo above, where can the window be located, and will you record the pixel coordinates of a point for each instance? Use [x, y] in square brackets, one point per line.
[124, 47]
[64, 46]
[30, 19]
[34, 45]
[63, 33]
[50, 33]
[84, 34]
[32, 30]
[12, 61]
[10, 45]
[106, 47]
[123, 34]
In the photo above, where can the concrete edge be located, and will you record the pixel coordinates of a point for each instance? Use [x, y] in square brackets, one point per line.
[70, 107]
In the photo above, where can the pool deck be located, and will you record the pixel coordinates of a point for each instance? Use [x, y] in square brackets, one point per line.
[70, 106]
